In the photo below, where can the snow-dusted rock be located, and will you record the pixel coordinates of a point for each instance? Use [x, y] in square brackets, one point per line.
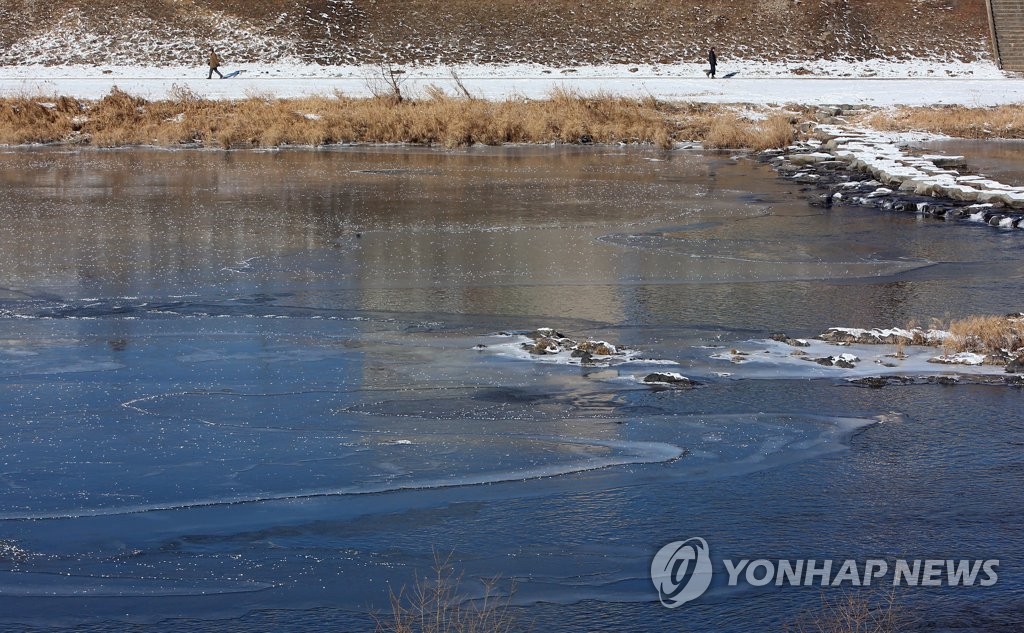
[843, 361]
[672, 379]
[1016, 365]
[879, 155]
[960, 358]
[808, 159]
[878, 336]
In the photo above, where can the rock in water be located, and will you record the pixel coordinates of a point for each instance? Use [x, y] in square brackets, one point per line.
[543, 346]
[1016, 365]
[671, 379]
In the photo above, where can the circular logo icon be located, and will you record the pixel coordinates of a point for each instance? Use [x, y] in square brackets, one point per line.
[681, 571]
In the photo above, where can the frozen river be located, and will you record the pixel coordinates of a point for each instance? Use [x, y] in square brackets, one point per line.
[256, 390]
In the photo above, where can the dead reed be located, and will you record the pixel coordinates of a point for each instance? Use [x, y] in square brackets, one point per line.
[959, 121]
[732, 131]
[24, 120]
[986, 334]
[120, 119]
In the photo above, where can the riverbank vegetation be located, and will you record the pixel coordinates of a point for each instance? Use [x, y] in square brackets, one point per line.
[440, 119]
[985, 334]
[959, 121]
[437, 119]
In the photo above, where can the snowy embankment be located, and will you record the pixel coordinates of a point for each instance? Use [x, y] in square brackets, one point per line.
[877, 83]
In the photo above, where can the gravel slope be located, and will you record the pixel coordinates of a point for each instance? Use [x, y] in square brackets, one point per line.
[446, 32]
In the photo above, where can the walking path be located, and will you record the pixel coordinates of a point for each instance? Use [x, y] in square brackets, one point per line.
[673, 84]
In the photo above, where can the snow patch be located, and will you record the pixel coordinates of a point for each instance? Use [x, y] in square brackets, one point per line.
[961, 358]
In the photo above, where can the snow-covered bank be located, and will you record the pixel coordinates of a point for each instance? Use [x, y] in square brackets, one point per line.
[862, 83]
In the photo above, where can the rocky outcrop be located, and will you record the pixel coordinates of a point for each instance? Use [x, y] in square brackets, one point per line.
[549, 342]
[878, 336]
[781, 337]
[867, 168]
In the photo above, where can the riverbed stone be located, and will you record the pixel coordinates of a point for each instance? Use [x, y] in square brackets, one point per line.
[1015, 365]
[671, 379]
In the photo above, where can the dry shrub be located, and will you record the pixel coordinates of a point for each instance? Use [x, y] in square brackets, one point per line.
[855, 612]
[570, 117]
[776, 132]
[186, 100]
[986, 334]
[731, 131]
[119, 107]
[995, 122]
[434, 606]
[919, 337]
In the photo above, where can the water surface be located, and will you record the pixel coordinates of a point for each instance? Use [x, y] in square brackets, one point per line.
[246, 389]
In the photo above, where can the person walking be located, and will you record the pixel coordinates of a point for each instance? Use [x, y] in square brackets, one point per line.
[712, 61]
[214, 65]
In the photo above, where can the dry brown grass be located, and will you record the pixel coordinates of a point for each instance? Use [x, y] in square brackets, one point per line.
[959, 121]
[986, 334]
[25, 120]
[733, 131]
[120, 119]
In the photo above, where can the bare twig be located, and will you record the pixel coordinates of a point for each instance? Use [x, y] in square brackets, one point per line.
[433, 605]
[461, 86]
[393, 78]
